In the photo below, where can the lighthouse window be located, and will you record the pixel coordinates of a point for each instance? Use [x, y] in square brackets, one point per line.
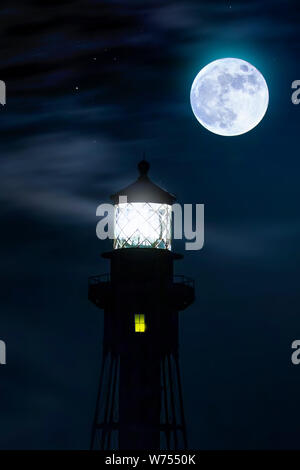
[139, 323]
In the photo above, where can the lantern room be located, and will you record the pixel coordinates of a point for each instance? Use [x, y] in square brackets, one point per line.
[143, 214]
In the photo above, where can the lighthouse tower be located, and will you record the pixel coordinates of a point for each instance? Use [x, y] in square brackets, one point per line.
[139, 403]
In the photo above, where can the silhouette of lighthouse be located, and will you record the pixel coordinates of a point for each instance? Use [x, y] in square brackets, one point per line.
[139, 402]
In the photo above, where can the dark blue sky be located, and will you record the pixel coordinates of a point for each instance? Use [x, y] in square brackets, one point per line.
[64, 150]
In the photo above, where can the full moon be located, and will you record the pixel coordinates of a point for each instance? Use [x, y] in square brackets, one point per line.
[229, 97]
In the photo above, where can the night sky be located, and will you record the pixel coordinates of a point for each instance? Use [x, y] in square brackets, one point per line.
[91, 85]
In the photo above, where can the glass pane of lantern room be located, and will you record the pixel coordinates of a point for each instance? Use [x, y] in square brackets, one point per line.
[139, 224]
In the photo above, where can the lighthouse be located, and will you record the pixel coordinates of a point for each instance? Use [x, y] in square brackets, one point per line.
[139, 401]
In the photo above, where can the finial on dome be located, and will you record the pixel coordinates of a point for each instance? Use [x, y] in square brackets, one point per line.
[143, 167]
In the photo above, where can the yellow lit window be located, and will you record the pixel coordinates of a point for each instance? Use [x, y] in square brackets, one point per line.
[139, 323]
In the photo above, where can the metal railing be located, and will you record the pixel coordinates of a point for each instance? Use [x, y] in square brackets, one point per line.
[99, 279]
[186, 281]
[177, 279]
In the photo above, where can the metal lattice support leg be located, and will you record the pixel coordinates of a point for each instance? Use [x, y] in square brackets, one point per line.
[103, 423]
[174, 421]
[166, 404]
[112, 405]
[99, 395]
[173, 408]
[183, 425]
[108, 397]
